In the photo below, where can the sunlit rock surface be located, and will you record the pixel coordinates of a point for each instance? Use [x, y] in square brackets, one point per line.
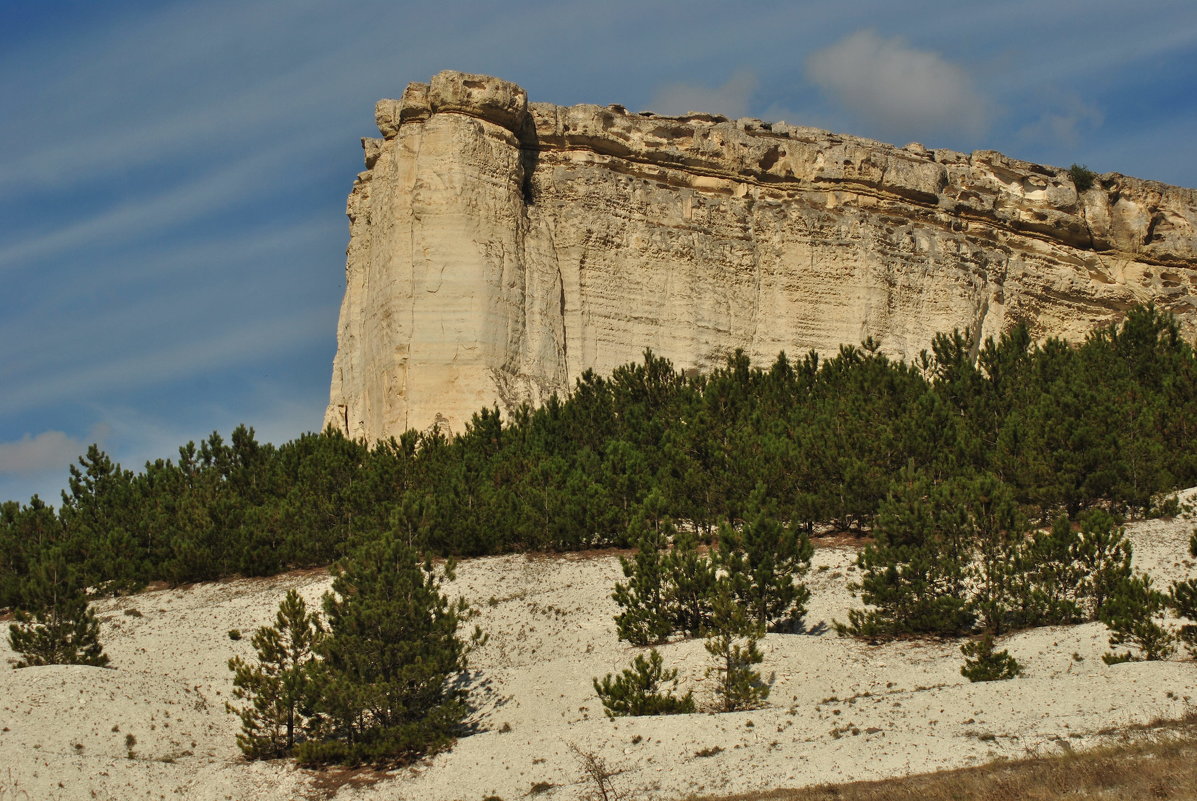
[499, 248]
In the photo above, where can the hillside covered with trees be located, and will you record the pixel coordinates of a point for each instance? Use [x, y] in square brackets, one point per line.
[1061, 428]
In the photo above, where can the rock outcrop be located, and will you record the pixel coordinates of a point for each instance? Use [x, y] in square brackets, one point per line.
[499, 248]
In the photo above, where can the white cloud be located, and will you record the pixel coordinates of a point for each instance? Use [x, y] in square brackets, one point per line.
[898, 90]
[1064, 123]
[730, 100]
[47, 451]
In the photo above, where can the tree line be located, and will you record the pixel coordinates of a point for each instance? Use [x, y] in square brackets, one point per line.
[1065, 427]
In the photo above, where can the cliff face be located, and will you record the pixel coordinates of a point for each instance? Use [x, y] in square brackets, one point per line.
[499, 248]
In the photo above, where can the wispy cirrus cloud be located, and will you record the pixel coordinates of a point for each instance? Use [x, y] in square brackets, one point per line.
[225, 346]
[238, 182]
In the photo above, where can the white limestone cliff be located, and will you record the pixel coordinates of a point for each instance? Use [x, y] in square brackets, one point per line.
[499, 248]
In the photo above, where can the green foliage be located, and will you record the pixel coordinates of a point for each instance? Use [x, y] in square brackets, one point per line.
[1183, 599]
[1129, 614]
[390, 680]
[1102, 556]
[1106, 423]
[982, 663]
[732, 642]
[692, 578]
[645, 618]
[982, 509]
[1082, 177]
[282, 686]
[27, 535]
[915, 574]
[763, 560]
[640, 690]
[671, 589]
[952, 558]
[56, 625]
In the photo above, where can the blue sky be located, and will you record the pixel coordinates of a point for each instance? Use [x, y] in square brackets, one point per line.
[173, 174]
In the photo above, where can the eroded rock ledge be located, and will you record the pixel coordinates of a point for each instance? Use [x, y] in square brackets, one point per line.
[499, 248]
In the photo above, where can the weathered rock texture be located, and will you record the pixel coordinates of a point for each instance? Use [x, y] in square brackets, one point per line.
[499, 248]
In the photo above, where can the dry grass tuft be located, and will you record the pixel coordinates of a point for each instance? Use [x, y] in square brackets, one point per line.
[1161, 763]
[327, 782]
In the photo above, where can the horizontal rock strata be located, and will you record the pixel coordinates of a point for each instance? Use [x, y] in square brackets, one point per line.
[499, 248]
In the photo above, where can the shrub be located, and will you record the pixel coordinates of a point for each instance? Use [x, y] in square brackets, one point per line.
[982, 663]
[390, 686]
[638, 690]
[60, 627]
[598, 776]
[281, 687]
[1183, 599]
[1082, 177]
[1129, 614]
[732, 642]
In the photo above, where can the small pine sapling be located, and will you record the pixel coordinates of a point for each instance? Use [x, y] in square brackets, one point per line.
[1129, 614]
[1104, 557]
[914, 576]
[984, 511]
[1048, 582]
[692, 578]
[765, 561]
[58, 627]
[281, 687]
[982, 663]
[639, 690]
[732, 641]
[643, 618]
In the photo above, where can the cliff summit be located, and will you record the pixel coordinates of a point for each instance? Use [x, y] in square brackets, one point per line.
[500, 248]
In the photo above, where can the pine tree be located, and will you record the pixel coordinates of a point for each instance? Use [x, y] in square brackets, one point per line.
[99, 513]
[644, 618]
[982, 663]
[1129, 613]
[915, 574]
[1183, 600]
[26, 533]
[56, 627]
[1047, 588]
[984, 511]
[1103, 555]
[282, 686]
[731, 640]
[691, 581]
[390, 684]
[1066, 575]
[640, 690]
[763, 560]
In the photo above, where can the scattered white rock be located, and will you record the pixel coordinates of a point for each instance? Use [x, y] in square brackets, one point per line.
[840, 710]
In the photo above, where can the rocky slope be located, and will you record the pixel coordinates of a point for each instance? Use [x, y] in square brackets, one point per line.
[499, 248]
[154, 726]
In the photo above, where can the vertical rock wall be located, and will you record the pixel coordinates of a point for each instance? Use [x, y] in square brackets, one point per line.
[498, 249]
